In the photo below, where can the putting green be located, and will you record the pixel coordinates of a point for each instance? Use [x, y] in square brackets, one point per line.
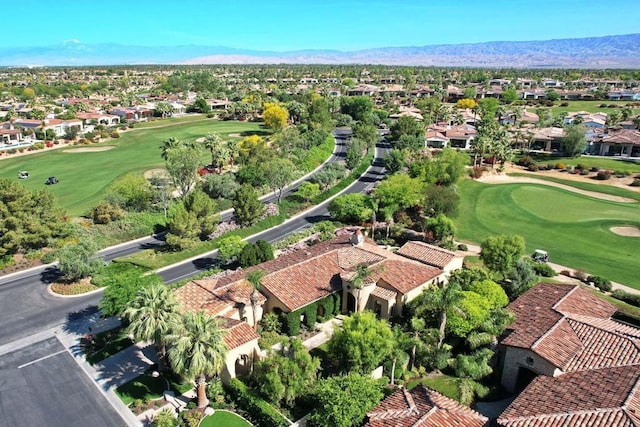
[84, 176]
[574, 229]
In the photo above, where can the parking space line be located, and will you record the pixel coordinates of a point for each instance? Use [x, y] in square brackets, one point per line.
[42, 358]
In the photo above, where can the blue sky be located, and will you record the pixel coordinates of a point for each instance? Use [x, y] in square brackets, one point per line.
[302, 24]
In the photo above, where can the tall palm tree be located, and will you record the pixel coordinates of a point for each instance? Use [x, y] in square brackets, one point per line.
[254, 278]
[359, 280]
[198, 350]
[443, 298]
[152, 315]
[218, 148]
[233, 146]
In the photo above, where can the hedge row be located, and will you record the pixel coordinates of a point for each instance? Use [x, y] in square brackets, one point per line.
[317, 155]
[259, 410]
[331, 304]
[627, 297]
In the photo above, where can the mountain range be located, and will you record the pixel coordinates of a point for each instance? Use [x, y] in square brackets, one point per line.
[620, 51]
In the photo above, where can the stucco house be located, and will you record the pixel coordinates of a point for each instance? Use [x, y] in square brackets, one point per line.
[616, 142]
[583, 367]
[422, 407]
[298, 279]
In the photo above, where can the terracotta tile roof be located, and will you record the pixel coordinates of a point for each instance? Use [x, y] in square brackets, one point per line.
[349, 258]
[540, 308]
[203, 295]
[386, 294]
[427, 254]
[404, 276]
[560, 345]
[600, 397]
[238, 333]
[422, 407]
[305, 282]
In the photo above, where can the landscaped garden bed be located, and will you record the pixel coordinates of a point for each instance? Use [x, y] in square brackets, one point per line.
[104, 344]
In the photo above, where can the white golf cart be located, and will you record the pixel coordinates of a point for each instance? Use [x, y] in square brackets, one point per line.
[540, 256]
[23, 175]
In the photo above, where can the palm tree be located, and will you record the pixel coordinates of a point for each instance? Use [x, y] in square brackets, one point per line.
[359, 280]
[636, 121]
[443, 298]
[218, 148]
[198, 350]
[152, 315]
[168, 145]
[254, 278]
[233, 146]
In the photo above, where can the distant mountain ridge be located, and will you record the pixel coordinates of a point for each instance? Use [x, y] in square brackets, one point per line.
[620, 51]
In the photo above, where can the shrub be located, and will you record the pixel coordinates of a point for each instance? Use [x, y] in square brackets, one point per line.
[190, 418]
[584, 172]
[581, 275]
[566, 273]
[635, 183]
[603, 175]
[560, 166]
[595, 169]
[620, 174]
[525, 161]
[601, 283]
[564, 104]
[632, 299]
[310, 315]
[462, 247]
[164, 418]
[476, 172]
[105, 212]
[115, 134]
[533, 167]
[260, 412]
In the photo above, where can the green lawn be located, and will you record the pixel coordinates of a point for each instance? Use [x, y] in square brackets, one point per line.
[145, 387]
[572, 227]
[106, 344]
[589, 106]
[84, 176]
[443, 384]
[224, 418]
[631, 167]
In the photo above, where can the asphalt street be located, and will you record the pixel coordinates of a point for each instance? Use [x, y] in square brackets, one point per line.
[46, 374]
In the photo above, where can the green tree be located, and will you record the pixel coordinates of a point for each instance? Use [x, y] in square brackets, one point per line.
[121, 290]
[183, 229]
[410, 143]
[28, 220]
[406, 126]
[131, 192]
[247, 207]
[470, 312]
[198, 350]
[366, 132]
[441, 200]
[574, 141]
[441, 228]
[358, 107]
[204, 210]
[499, 253]
[394, 161]
[152, 316]
[308, 190]
[490, 290]
[351, 208]
[521, 277]
[222, 186]
[229, 248]
[279, 173]
[361, 343]
[509, 96]
[220, 154]
[79, 260]
[400, 190]
[182, 164]
[164, 109]
[344, 401]
[200, 106]
[255, 278]
[443, 299]
[287, 374]
[470, 369]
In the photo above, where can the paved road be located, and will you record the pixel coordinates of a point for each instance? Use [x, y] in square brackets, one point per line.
[27, 308]
[41, 385]
[317, 214]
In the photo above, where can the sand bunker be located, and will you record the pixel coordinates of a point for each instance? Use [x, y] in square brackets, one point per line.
[89, 149]
[235, 135]
[201, 139]
[626, 231]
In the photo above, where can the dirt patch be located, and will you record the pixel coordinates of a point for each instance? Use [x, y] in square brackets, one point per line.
[156, 173]
[201, 139]
[626, 231]
[235, 135]
[506, 179]
[89, 149]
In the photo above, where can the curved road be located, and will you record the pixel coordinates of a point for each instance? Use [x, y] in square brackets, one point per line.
[26, 307]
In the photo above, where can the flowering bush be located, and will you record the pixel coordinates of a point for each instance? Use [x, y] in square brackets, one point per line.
[224, 227]
[271, 210]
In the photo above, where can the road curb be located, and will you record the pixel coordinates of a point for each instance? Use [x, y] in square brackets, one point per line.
[57, 295]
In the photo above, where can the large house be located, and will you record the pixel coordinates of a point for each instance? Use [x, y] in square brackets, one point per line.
[295, 281]
[616, 142]
[585, 366]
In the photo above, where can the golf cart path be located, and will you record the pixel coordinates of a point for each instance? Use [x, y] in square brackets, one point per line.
[474, 250]
[506, 179]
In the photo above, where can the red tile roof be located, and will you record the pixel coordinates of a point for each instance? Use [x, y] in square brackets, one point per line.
[238, 333]
[422, 407]
[427, 254]
[601, 397]
[405, 276]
